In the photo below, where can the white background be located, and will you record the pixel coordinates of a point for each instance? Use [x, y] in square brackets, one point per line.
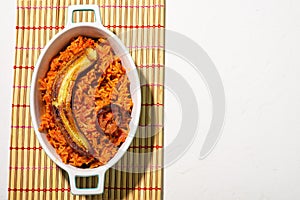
[255, 46]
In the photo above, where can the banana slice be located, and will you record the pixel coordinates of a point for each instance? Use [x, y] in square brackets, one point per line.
[61, 100]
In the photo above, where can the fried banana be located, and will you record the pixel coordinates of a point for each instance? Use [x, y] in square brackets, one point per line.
[61, 100]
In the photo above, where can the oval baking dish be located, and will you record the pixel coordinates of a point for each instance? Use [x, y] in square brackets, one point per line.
[57, 43]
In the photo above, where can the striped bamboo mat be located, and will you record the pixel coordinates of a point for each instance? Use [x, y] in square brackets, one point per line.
[140, 25]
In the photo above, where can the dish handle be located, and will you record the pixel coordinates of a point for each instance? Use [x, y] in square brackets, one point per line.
[94, 8]
[87, 191]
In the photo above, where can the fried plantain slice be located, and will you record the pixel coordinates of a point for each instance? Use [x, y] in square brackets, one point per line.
[61, 100]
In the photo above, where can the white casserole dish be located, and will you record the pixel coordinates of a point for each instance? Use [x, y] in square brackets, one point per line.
[57, 43]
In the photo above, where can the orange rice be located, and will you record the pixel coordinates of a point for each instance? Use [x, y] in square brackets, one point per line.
[105, 85]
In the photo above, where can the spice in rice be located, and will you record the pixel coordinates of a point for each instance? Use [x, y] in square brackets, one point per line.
[101, 104]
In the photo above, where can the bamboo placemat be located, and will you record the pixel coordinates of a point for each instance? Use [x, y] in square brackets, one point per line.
[32, 174]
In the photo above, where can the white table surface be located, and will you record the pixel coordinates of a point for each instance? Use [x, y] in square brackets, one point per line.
[255, 46]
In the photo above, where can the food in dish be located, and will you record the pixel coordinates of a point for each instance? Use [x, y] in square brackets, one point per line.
[87, 103]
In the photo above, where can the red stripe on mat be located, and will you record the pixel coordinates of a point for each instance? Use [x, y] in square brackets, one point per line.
[21, 86]
[20, 106]
[25, 148]
[21, 127]
[33, 168]
[24, 67]
[29, 48]
[151, 125]
[152, 104]
[139, 188]
[150, 66]
[39, 27]
[68, 189]
[146, 147]
[102, 6]
[107, 26]
[39, 189]
[152, 85]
